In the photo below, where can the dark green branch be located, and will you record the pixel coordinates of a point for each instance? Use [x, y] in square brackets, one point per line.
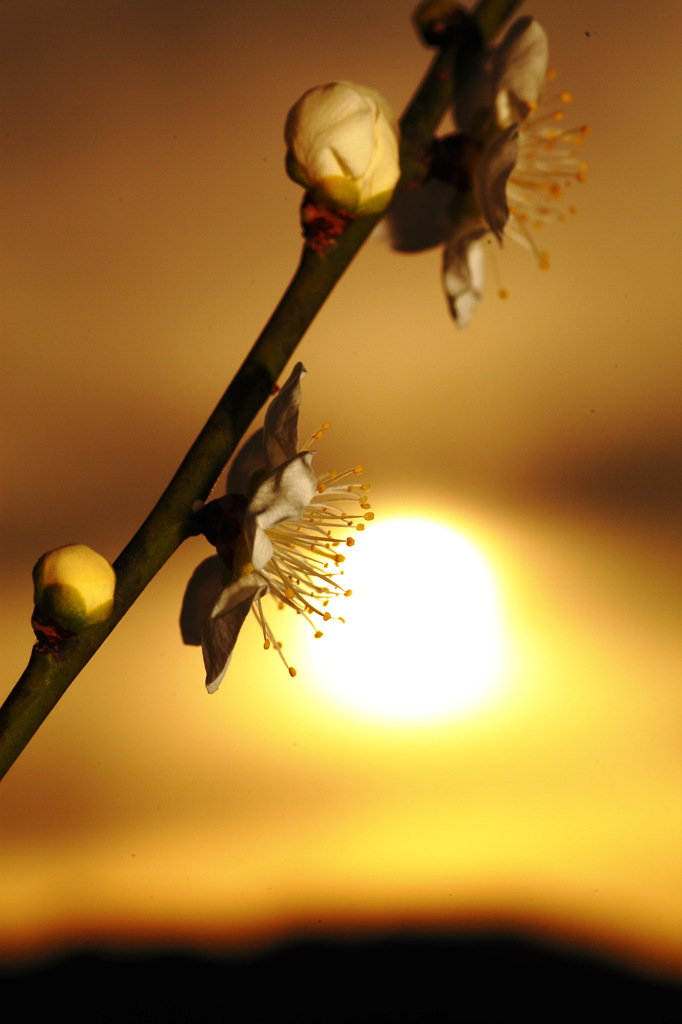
[48, 675]
[490, 15]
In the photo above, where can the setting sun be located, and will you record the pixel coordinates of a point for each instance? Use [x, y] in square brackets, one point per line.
[423, 638]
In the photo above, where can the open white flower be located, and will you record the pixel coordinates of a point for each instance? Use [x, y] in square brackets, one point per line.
[342, 146]
[519, 165]
[279, 531]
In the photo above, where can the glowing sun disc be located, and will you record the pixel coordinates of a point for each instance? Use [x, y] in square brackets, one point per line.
[423, 637]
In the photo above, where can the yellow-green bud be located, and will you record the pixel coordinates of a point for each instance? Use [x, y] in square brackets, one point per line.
[74, 586]
[342, 145]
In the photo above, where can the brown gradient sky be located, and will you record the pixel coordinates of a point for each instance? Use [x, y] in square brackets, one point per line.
[149, 231]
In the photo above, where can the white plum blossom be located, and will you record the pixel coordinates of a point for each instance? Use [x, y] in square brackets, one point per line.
[282, 526]
[342, 146]
[506, 88]
[522, 164]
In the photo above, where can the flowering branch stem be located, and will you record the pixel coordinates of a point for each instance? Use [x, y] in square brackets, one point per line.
[491, 15]
[49, 674]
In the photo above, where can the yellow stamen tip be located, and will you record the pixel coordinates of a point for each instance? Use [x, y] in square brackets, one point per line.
[369, 516]
[321, 488]
[503, 293]
[266, 645]
[318, 634]
[360, 526]
[566, 97]
[359, 469]
[292, 671]
[350, 541]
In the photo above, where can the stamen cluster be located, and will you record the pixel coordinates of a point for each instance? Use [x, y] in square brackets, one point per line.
[277, 531]
[303, 573]
[548, 165]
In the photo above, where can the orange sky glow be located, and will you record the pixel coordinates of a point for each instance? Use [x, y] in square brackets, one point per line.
[150, 230]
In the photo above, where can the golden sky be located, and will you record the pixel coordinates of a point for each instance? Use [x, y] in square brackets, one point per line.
[149, 231]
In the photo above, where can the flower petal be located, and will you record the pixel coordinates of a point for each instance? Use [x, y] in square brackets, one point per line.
[249, 460]
[381, 176]
[493, 168]
[418, 218]
[519, 69]
[202, 592]
[330, 131]
[221, 628]
[281, 496]
[463, 269]
[280, 431]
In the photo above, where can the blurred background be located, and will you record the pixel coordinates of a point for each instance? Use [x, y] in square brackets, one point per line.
[491, 744]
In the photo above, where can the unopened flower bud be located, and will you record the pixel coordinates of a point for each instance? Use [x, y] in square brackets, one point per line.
[74, 587]
[342, 146]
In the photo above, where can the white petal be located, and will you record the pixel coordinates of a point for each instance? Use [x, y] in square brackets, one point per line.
[493, 168]
[274, 443]
[463, 270]
[224, 623]
[259, 544]
[519, 70]
[281, 497]
[331, 131]
[280, 431]
[381, 176]
[249, 460]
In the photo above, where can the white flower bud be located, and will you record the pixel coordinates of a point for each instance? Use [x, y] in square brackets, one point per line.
[342, 145]
[74, 586]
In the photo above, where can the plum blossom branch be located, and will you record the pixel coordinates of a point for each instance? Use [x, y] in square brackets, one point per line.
[504, 172]
[49, 674]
